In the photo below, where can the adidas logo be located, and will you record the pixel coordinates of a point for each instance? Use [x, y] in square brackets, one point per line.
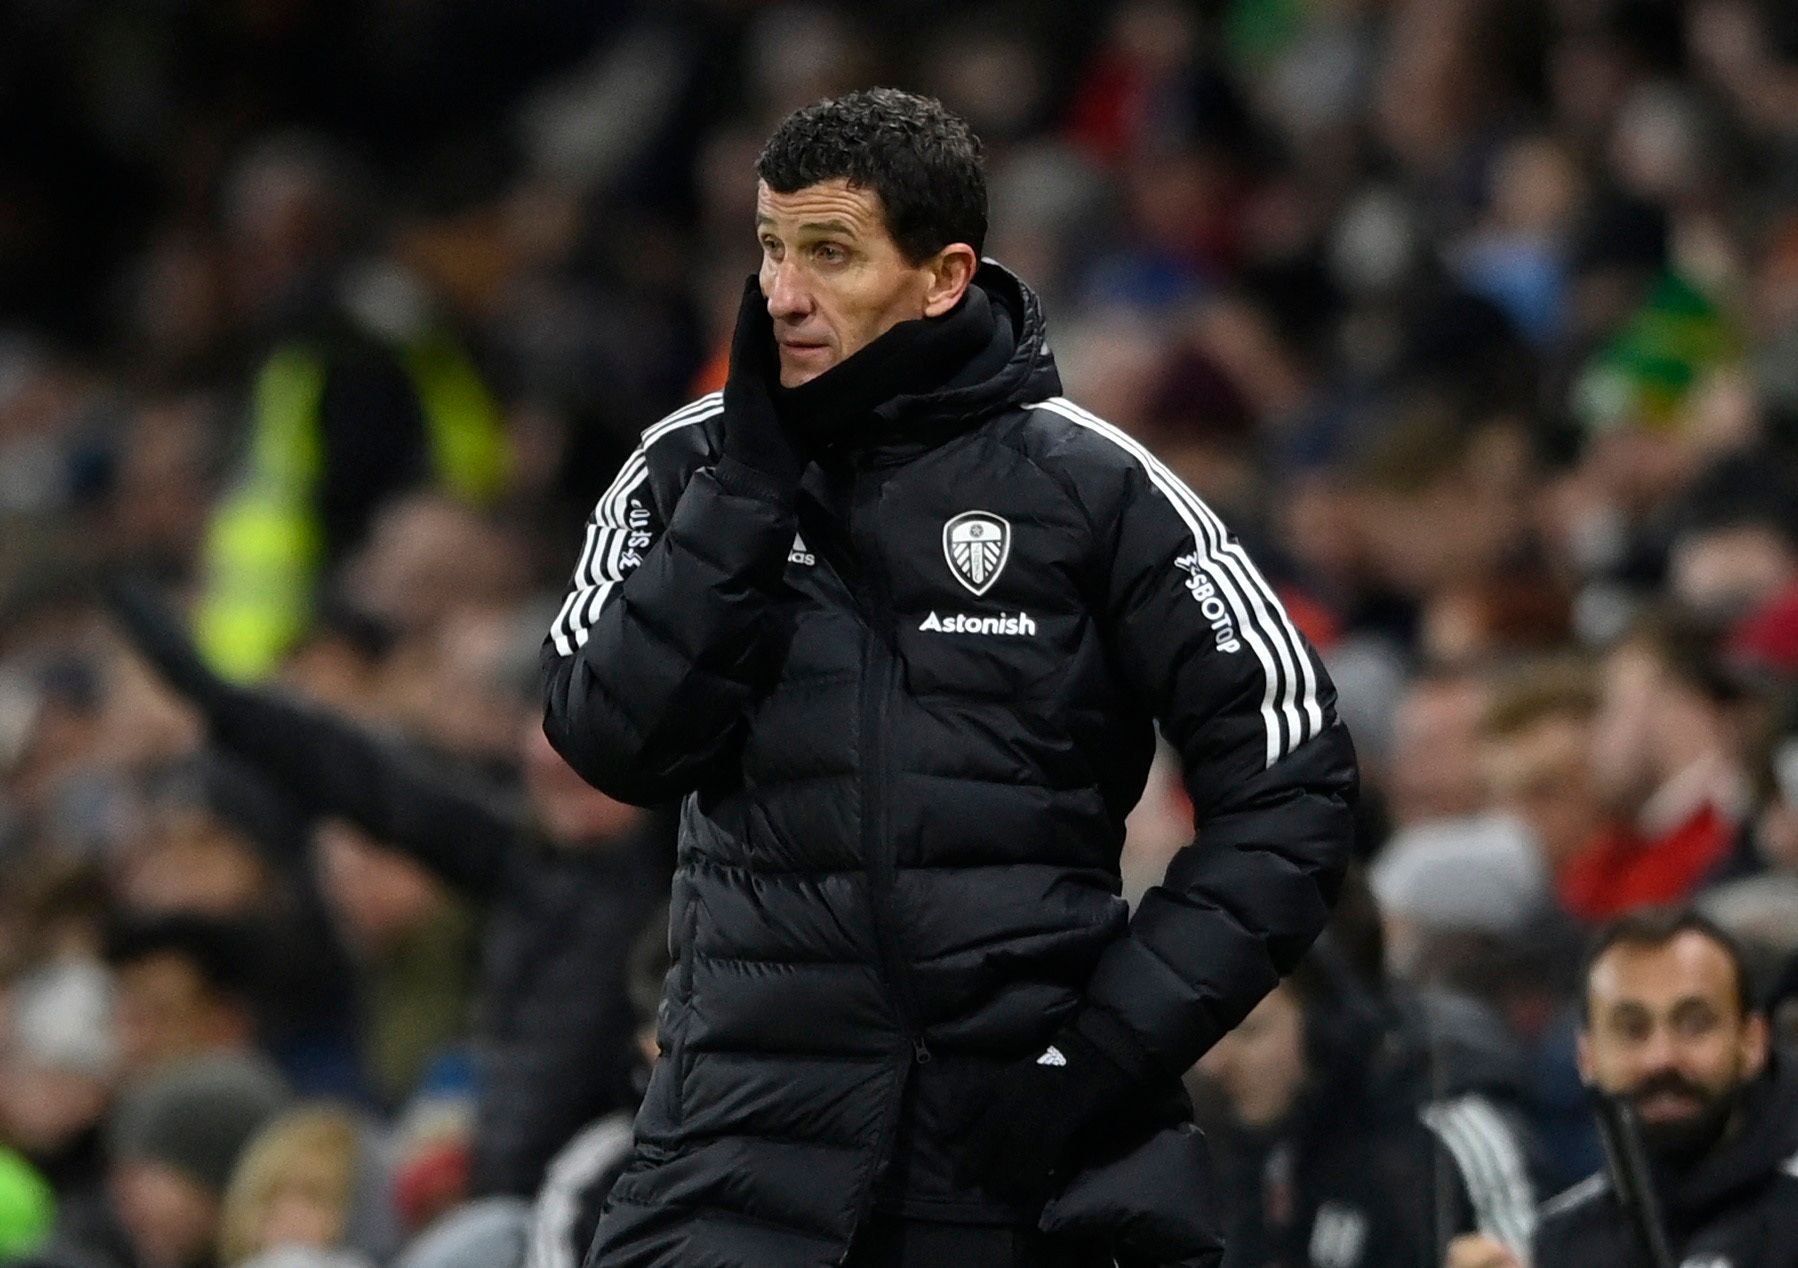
[801, 553]
[1052, 1057]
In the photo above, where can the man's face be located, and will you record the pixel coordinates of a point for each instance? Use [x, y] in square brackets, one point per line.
[1435, 752]
[1664, 1028]
[170, 1218]
[834, 278]
[1633, 694]
[166, 1011]
[1543, 774]
[1260, 1066]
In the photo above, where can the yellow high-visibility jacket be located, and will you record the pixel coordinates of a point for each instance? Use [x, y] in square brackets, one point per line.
[266, 544]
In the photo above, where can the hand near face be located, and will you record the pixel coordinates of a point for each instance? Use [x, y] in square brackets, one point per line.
[753, 436]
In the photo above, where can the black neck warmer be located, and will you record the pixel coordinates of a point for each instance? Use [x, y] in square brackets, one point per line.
[913, 358]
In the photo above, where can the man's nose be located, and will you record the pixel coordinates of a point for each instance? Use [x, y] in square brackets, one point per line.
[1660, 1053]
[788, 298]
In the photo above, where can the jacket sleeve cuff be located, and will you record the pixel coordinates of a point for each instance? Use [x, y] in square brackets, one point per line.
[746, 481]
[1115, 1040]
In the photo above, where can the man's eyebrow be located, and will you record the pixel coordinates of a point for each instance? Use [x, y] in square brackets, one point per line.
[842, 227]
[1688, 1003]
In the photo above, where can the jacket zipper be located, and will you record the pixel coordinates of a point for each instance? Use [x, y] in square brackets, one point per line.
[879, 676]
[879, 673]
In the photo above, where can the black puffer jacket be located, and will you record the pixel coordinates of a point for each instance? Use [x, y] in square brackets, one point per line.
[911, 708]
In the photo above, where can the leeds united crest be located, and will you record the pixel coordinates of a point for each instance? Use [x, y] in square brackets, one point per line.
[976, 544]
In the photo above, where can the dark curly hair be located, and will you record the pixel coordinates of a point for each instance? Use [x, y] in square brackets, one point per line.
[923, 161]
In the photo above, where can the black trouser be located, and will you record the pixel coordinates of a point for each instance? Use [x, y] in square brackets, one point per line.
[888, 1241]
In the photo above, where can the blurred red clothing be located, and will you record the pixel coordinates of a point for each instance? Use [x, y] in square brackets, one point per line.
[1315, 619]
[1768, 639]
[1108, 111]
[1624, 868]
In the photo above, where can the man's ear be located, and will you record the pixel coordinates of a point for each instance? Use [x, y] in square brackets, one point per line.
[1582, 1055]
[950, 271]
[1756, 1040]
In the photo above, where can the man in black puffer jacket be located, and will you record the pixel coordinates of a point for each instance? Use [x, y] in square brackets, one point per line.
[897, 620]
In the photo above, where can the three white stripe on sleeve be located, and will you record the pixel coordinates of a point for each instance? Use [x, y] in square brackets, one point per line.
[601, 565]
[1290, 708]
[551, 1243]
[1491, 1164]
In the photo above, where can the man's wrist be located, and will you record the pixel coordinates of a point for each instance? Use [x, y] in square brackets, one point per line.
[1113, 1041]
[741, 478]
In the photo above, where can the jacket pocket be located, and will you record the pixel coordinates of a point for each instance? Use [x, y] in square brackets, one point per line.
[1156, 1203]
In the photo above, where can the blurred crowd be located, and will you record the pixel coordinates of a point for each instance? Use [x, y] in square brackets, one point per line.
[1476, 319]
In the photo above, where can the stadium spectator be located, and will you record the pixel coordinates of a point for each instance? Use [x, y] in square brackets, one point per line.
[315, 1178]
[1333, 1150]
[362, 392]
[172, 1143]
[577, 1180]
[1671, 1025]
[1667, 756]
[1433, 771]
[566, 879]
[1536, 749]
[183, 990]
[58, 1074]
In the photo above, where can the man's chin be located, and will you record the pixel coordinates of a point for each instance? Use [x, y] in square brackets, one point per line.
[1685, 1137]
[798, 369]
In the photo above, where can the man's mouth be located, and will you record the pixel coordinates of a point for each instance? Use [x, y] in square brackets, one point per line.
[1668, 1106]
